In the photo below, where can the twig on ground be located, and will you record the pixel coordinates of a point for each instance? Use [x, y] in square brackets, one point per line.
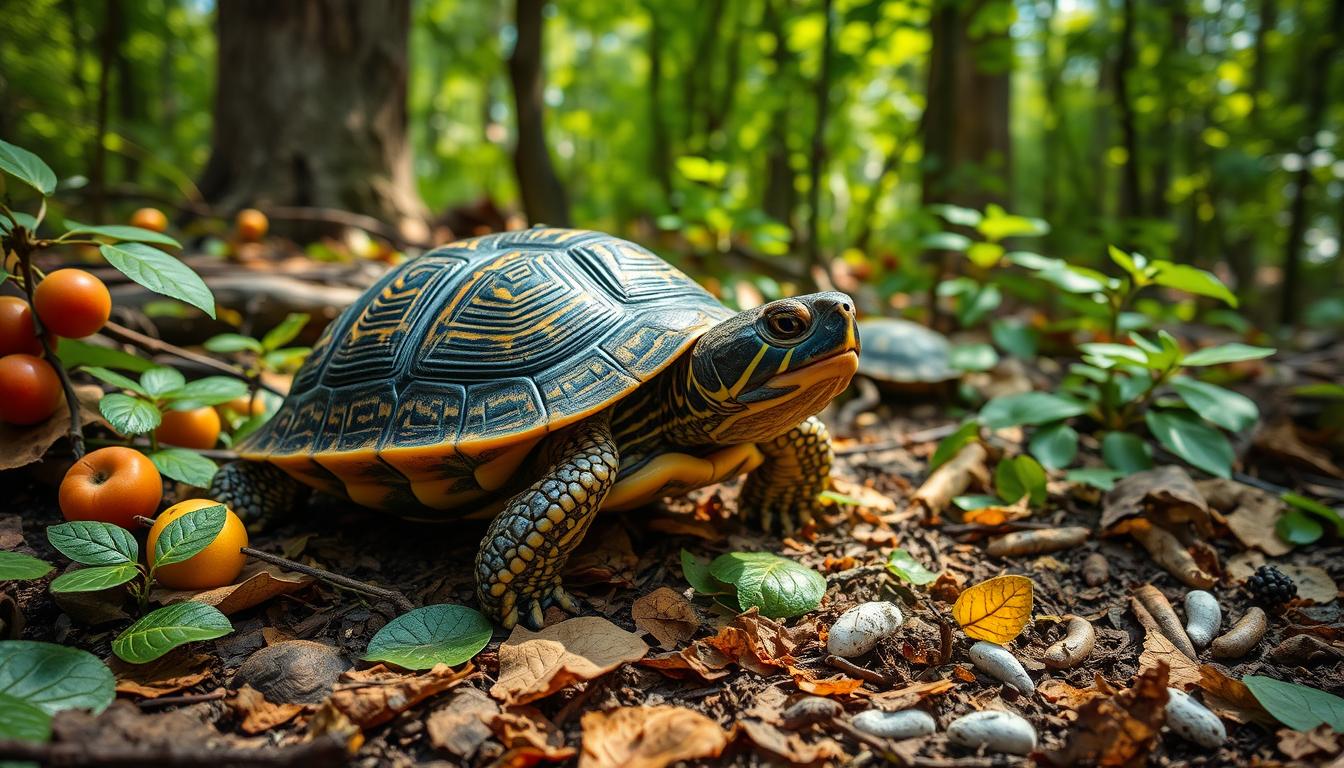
[853, 573]
[862, 673]
[183, 700]
[908, 439]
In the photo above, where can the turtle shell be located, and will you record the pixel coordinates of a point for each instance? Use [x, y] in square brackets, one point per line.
[902, 352]
[431, 389]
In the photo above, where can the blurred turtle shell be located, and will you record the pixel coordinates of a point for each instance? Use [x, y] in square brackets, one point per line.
[904, 356]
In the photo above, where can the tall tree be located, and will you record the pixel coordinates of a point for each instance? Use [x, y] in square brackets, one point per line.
[310, 109]
[544, 198]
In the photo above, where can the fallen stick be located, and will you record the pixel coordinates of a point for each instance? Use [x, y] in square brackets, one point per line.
[158, 346]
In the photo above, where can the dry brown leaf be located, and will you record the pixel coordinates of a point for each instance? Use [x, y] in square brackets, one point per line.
[257, 583]
[1168, 552]
[1231, 698]
[21, 446]
[1159, 652]
[998, 514]
[606, 556]
[1165, 495]
[751, 641]
[1250, 513]
[667, 615]
[259, 715]
[168, 674]
[648, 737]
[952, 479]
[836, 685]
[910, 695]
[1313, 582]
[1065, 695]
[533, 665]
[1120, 729]
[1282, 441]
[685, 525]
[529, 737]
[458, 726]
[1320, 742]
[371, 697]
[868, 498]
[788, 746]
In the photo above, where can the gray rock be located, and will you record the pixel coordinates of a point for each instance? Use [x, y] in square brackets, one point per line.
[292, 672]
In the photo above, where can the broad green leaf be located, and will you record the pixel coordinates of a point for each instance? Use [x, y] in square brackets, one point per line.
[16, 566]
[25, 220]
[972, 357]
[905, 566]
[122, 232]
[1193, 440]
[54, 678]
[1313, 507]
[1014, 337]
[22, 721]
[285, 332]
[129, 415]
[951, 445]
[1193, 280]
[1297, 527]
[167, 628]
[1115, 353]
[1097, 477]
[1226, 353]
[75, 353]
[286, 358]
[1126, 452]
[973, 501]
[225, 343]
[1127, 263]
[998, 224]
[1230, 410]
[95, 578]
[184, 466]
[434, 634]
[115, 379]
[161, 380]
[211, 390]
[956, 214]
[160, 272]
[696, 573]
[1297, 706]
[1020, 476]
[188, 534]
[777, 586]
[945, 241]
[27, 167]
[984, 255]
[1028, 408]
[89, 542]
[1055, 446]
[972, 307]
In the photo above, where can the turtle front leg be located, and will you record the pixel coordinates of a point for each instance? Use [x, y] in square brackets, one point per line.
[257, 492]
[519, 563]
[784, 493]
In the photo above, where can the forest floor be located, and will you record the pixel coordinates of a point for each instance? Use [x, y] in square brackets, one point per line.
[747, 684]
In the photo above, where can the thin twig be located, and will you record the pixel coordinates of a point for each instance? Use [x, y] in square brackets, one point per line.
[153, 345]
[76, 431]
[332, 578]
[324, 750]
[902, 441]
[183, 700]
[863, 673]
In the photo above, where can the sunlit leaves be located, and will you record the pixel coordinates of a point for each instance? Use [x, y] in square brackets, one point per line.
[995, 610]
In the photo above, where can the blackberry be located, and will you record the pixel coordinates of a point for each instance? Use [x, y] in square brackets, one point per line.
[1270, 586]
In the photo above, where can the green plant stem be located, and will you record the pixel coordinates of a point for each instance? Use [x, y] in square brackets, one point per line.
[1118, 302]
[23, 249]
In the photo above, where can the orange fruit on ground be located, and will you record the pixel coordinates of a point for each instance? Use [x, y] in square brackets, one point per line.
[30, 391]
[251, 224]
[150, 218]
[242, 406]
[17, 333]
[112, 485]
[197, 428]
[215, 566]
[72, 303]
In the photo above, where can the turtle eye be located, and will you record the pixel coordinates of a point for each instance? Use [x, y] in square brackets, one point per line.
[788, 322]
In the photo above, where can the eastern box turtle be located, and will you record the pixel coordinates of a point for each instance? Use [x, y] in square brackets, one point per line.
[534, 377]
[900, 357]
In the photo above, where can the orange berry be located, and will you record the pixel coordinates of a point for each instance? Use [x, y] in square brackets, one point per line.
[72, 303]
[150, 218]
[17, 333]
[30, 391]
[215, 566]
[251, 224]
[112, 485]
[197, 428]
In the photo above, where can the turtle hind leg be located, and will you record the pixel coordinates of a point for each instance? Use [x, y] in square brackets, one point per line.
[518, 565]
[784, 493]
[259, 493]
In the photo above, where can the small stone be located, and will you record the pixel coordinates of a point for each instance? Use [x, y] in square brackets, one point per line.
[905, 724]
[994, 730]
[292, 672]
[862, 627]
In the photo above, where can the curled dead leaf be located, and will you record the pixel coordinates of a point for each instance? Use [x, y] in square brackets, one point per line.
[910, 695]
[1160, 652]
[836, 685]
[371, 697]
[751, 641]
[167, 674]
[1282, 442]
[998, 514]
[786, 745]
[458, 726]
[952, 479]
[257, 583]
[1165, 496]
[1250, 513]
[258, 715]
[529, 737]
[21, 446]
[648, 737]
[1119, 729]
[533, 665]
[1231, 698]
[667, 615]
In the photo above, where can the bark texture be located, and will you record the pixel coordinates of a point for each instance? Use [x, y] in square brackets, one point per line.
[544, 198]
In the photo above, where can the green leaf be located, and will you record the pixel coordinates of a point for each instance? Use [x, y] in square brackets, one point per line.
[1324, 390]
[777, 586]
[54, 678]
[1192, 280]
[225, 343]
[184, 466]
[1097, 477]
[95, 578]
[1190, 438]
[22, 722]
[1055, 446]
[1028, 408]
[945, 241]
[696, 573]
[434, 634]
[1313, 507]
[285, 332]
[972, 307]
[951, 445]
[89, 542]
[972, 357]
[905, 566]
[998, 224]
[75, 353]
[1127, 263]
[984, 255]
[285, 358]
[1126, 452]
[161, 380]
[1297, 706]
[167, 628]
[115, 379]
[188, 534]
[160, 272]
[1230, 410]
[129, 415]
[1297, 527]
[122, 232]
[27, 167]
[1109, 355]
[211, 390]
[1226, 353]
[973, 501]
[1014, 337]
[25, 220]
[16, 566]
[956, 214]
[1020, 476]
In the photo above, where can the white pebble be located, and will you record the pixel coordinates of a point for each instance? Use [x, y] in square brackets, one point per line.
[859, 629]
[1203, 617]
[1000, 663]
[1193, 721]
[905, 724]
[994, 730]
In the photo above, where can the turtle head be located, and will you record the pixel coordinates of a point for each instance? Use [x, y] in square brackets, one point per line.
[759, 373]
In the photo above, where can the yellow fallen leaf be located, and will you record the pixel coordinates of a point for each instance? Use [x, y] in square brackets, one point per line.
[995, 610]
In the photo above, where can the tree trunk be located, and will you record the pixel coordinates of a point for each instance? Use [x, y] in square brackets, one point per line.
[817, 156]
[779, 195]
[310, 110]
[544, 198]
[659, 149]
[1131, 195]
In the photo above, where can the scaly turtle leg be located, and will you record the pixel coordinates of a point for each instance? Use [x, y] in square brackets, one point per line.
[785, 491]
[257, 492]
[518, 565]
